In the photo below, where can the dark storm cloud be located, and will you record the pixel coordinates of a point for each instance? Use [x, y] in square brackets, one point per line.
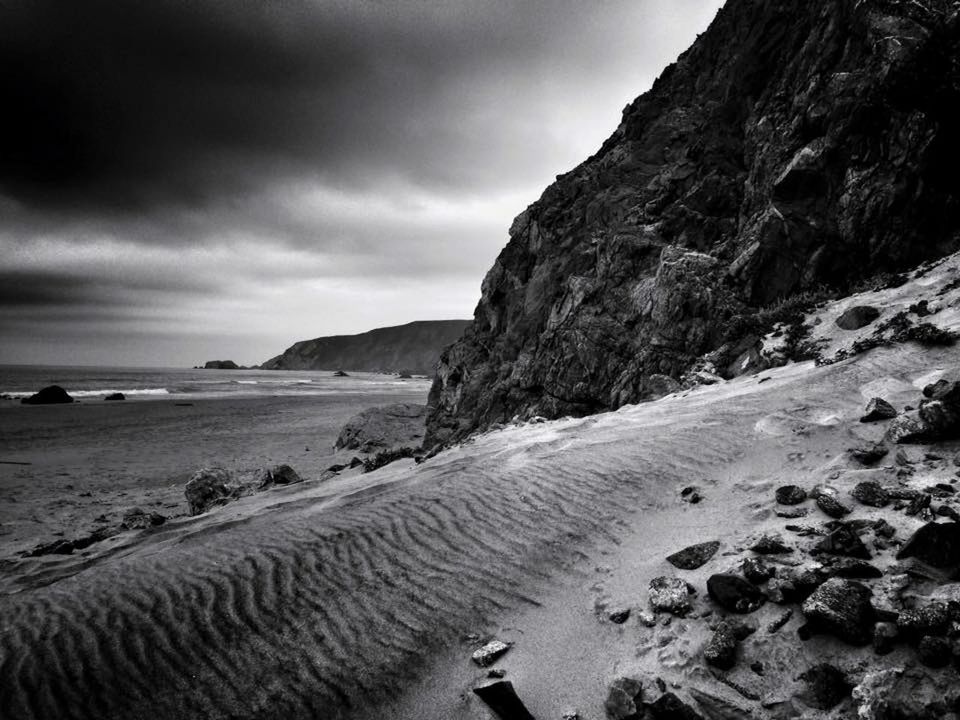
[287, 168]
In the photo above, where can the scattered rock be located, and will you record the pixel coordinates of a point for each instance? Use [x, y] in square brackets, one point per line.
[138, 519]
[496, 673]
[878, 409]
[870, 493]
[279, 475]
[930, 619]
[793, 513]
[907, 428]
[825, 686]
[691, 494]
[208, 487]
[625, 700]
[734, 594]
[503, 700]
[341, 373]
[669, 707]
[672, 595]
[647, 618]
[695, 556]
[884, 637]
[790, 495]
[831, 506]
[488, 654]
[112, 397]
[619, 616]
[857, 317]
[843, 541]
[50, 395]
[721, 650]
[934, 652]
[780, 621]
[936, 544]
[771, 545]
[756, 570]
[853, 569]
[869, 454]
[841, 608]
[823, 489]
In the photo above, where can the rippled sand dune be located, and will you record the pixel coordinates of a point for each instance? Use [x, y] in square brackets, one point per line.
[335, 600]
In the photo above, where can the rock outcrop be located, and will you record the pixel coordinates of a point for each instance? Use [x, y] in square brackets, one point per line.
[50, 395]
[411, 348]
[384, 428]
[220, 365]
[795, 145]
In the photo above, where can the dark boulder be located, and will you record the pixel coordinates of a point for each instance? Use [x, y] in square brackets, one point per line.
[503, 700]
[853, 569]
[671, 595]
[50, 395]
[734, 594]
[695, 556]
[841, 608]
[869, 454]
[870, 493]
[721, 649]
[857, 317]
[933, 618]
[112, 397]
[341, 373]
[771, 545]
[790, 495]
[139, 519]
[878, 409]
[824, 686]
[669, 707]
[756, 570]
[885, 636]
[908, 428]
[934, 652]
[936, 544]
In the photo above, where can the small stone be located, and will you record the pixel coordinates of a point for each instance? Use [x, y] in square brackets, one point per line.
[870, 493]
[878, 409]
[619, 616]
[934, 652]
[735, 594]
[756, 570]
[884, 637]
[780, 621]
[488, 653]
[869, 454]
[647, 618]
[918, 504]
[930, 619]
[790, 495]
[770, 545]
[672, 595]
[831, 506]
[757, 667]
[496, 673]
[823, 489]
[695, 556]
[625, 700]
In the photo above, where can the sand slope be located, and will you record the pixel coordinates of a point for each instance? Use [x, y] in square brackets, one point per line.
[352, 598]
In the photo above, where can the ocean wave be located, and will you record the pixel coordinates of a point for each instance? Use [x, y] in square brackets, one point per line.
[18, 394]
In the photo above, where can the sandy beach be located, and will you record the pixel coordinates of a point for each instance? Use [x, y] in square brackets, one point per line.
[94, 460]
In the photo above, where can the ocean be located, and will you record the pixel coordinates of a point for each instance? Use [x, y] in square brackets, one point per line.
[92, 383]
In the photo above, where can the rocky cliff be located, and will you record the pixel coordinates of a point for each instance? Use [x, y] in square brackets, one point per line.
[795, 145]
[413, 348]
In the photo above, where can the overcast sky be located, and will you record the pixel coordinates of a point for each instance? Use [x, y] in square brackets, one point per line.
[183, 180]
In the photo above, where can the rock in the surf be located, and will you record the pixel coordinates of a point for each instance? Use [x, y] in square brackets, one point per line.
[50, 395]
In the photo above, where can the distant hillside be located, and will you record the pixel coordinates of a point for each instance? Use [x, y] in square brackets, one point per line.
[414, 348]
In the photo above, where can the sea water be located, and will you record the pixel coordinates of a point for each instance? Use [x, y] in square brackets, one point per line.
[19, 381]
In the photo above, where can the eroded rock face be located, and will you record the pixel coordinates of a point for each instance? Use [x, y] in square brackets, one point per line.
[384, 428]
[795, 144]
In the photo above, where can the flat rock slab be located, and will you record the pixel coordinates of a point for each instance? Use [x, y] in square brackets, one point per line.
[503, 700]
[695, 556]
[489, 653]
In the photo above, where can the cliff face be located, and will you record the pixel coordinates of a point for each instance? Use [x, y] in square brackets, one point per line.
[795, 144]
[414, 348]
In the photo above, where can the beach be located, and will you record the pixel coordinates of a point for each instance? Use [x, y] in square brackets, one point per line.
[67, 469]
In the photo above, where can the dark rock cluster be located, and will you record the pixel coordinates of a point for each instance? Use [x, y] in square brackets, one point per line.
[794, 145]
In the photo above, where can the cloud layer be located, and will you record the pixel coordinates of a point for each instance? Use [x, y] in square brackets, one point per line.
[183, 179]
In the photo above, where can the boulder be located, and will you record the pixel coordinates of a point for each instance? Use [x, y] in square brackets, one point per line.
[878, 409]
[209, 487]
[870, 453]
[671, 595]
[113, 397]
[669, 707]
[870, 493]
[824, 686]
[756, 570]
[50, 395]
[857, 317]
[831, 506]
[503, 700]
[695, 556]
[384, 428]
[934, 652]
[790, 495]
[853, 569]
[941, 412]
[341, 373]
[771, 545]
[734, 594]
[907, 428]
[278, 475]
[884, 637]
[936, 544]
[841, 608]
[932, 618]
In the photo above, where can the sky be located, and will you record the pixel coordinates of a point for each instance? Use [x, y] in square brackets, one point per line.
[186, 180]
